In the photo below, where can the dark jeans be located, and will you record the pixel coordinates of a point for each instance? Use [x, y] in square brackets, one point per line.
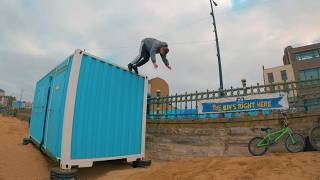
[143, 56]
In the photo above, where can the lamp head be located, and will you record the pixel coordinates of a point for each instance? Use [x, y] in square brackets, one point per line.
[214, 3]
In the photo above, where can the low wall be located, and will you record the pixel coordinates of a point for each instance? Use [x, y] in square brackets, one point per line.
[177, 139]
[26, 116]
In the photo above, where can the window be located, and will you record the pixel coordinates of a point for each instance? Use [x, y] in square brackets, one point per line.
[270, 77]
[307, 55]
[309, 74]
[284, 76]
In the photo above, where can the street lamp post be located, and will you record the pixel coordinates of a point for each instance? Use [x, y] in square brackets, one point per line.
[217, 43]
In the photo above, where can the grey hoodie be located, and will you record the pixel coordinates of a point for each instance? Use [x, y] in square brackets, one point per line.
[153, 47]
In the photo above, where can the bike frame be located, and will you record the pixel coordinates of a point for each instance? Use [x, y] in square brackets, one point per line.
[274, 137]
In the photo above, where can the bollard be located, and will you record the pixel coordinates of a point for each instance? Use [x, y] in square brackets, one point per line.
[244, 85]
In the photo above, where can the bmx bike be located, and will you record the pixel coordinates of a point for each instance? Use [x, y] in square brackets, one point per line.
[294, 142]
[314, 137]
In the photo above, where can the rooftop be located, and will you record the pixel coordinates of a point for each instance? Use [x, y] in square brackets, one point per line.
[306, 44]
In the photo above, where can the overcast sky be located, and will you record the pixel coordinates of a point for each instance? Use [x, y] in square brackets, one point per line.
[36, 35]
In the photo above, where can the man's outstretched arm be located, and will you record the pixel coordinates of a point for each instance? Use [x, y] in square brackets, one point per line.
[165, 61]
[153, 55]
[153, 52]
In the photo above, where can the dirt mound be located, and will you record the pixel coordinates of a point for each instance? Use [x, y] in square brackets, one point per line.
[276, 166]
[16, 160]
[26, 162]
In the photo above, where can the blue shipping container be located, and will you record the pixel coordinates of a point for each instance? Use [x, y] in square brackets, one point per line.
[88, 110]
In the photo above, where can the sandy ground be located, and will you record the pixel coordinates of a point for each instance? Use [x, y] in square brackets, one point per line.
[26, 162]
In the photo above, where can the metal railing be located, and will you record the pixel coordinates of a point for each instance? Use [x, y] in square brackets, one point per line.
[302, 96]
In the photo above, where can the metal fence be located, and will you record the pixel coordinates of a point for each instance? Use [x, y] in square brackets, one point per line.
[302, 96]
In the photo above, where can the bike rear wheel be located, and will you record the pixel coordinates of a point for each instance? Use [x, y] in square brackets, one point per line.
[299, 144]
[254, 149]
[314, 137]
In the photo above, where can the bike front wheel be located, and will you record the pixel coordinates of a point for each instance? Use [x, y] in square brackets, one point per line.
[314, 137]
[254, 149]
[296, 143]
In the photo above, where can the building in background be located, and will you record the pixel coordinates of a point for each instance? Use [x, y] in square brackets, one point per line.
[6, 101]
[10, 102]
[299, 63]
[305, 61]
[157, 85]
[2, 93]
[278, 74]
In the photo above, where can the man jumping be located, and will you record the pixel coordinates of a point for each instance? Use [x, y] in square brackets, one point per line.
[149, 48]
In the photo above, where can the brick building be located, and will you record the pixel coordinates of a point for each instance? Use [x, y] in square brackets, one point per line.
[278, 74]
[2, 93]
[305, 61]
[300, 63]
[158, 84]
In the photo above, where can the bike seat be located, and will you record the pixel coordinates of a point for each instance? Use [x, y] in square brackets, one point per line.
[265, 129]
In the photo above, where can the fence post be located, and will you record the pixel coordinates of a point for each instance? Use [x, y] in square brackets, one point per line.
[148, 104]
[258, 90]
[231, 91]
[197, 114]
[185, 104]
[244, 85]
[158, 103]
[166, 106]
[285, 87]
[272, 88]
[176, 104]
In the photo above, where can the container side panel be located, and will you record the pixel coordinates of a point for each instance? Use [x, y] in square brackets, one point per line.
[39, 107]
[108, 111]
[56, 107]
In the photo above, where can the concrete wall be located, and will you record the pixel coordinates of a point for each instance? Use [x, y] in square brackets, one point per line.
[169, 140]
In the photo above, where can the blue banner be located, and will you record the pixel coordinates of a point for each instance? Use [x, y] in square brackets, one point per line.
[247, 103]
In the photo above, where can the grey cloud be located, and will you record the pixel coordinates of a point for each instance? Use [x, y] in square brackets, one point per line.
[46, 32]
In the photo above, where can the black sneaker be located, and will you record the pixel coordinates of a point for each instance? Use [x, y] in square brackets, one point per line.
[135, 69]
[130, 67]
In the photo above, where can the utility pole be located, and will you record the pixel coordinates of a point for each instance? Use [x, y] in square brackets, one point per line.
[217, 43]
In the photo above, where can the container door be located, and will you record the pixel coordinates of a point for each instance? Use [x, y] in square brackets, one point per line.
[56, 106]
[39, 108]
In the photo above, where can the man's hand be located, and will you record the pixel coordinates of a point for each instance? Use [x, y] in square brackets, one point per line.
[155, 65]
[168, 66]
